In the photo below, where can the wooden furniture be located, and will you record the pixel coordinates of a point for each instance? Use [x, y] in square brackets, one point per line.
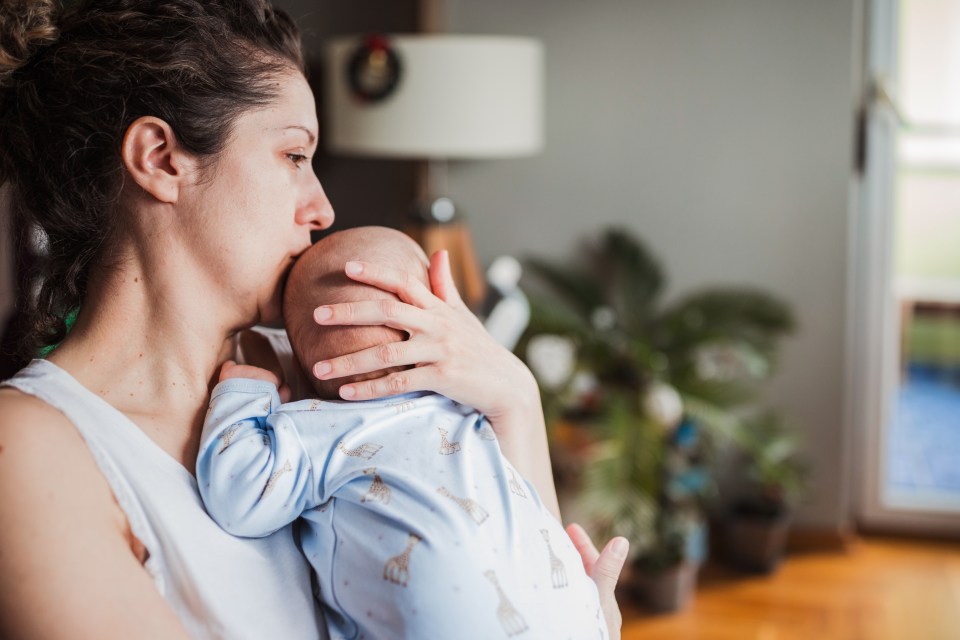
[939, 295]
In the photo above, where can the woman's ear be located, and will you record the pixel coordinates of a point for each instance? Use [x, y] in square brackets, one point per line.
[154, 158]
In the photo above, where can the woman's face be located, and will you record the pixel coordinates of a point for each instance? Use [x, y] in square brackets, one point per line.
[257, 205]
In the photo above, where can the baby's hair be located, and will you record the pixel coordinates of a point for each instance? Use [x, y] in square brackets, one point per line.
[318, 278]
[72, 82]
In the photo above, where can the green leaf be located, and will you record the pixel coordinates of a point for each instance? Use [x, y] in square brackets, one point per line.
[579, 288]
[636, 277]
[745, 315]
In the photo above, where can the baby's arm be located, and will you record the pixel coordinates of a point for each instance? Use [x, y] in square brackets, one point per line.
[253, 473]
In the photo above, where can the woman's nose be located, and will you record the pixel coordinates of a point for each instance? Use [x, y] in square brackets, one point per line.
[315, 209]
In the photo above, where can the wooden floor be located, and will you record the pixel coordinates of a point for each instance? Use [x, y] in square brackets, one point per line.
[881, 589]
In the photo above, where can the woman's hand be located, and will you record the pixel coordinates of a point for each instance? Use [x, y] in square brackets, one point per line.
[604, 567]
[451, 353]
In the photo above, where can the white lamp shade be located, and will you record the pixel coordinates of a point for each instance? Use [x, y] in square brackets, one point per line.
[457, 97]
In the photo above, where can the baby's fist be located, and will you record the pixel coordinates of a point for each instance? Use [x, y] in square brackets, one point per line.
[231, 369]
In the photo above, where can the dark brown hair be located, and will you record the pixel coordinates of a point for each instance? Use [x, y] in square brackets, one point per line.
[71, 85]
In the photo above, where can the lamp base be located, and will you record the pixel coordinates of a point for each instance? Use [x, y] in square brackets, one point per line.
[436, 225]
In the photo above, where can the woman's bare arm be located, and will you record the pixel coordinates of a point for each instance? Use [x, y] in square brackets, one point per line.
[69, 565]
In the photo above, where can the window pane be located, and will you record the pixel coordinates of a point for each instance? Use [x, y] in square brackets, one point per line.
[930, 61]
[930, 150]
[928, 225]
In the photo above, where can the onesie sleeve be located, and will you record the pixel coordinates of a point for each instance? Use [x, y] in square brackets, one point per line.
[253, 473]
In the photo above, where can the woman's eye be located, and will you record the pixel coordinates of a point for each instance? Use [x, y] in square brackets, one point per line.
[297, 158]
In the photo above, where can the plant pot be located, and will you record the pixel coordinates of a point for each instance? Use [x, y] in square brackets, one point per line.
[667, 590]
[756, 541]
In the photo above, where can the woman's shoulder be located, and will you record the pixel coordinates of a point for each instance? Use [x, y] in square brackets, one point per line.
[66, 526]
[41, 450]
[27, 418]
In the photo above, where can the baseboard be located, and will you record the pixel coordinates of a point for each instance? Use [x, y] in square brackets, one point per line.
[810, 539]
[933, 531]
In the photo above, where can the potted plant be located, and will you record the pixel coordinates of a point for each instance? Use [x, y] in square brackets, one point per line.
[665, 573]
[634, 377]
[776, 479]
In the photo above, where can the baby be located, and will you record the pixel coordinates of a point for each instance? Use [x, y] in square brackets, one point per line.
[415, 524]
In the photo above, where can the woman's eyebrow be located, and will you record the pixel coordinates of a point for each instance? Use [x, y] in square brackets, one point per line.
[310, 134]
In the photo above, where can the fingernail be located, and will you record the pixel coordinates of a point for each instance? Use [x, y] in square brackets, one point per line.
[354, 268]
[347, 392]
[620, 546]
[322, 313]
[321, 369]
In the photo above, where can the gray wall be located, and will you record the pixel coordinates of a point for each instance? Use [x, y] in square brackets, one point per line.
[721, 131]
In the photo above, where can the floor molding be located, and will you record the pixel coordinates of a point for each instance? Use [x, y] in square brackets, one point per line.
[810, 539]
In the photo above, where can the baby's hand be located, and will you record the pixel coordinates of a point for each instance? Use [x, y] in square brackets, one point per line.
[231, 369]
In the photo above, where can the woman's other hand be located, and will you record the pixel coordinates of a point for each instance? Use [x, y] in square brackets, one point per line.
[604, 568]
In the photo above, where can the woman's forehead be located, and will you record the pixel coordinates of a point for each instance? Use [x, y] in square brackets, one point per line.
[292, 112]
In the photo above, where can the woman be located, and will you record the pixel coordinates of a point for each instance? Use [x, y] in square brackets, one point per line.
[163, 148]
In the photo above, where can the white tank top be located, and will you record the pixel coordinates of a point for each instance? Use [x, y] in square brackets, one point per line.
[219, 586]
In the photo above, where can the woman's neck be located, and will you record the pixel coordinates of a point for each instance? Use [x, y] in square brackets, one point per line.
[151, 348]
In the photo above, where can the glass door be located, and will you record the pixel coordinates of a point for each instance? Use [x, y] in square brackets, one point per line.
[908, 275]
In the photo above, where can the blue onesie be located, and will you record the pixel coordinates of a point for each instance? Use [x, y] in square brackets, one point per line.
[414, 522]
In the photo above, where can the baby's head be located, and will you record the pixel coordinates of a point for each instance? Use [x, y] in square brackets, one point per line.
[318, 278]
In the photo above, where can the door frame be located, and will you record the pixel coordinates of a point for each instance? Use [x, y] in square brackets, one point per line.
[873, 320]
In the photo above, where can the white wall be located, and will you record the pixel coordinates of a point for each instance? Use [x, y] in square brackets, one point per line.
[721, 131]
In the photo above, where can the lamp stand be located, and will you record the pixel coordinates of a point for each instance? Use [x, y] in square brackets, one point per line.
[435, 225]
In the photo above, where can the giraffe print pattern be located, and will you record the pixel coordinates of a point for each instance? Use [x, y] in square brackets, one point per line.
[474, 510]
[276, 475]
[397, 569]
[558, 572]
[403, 407]
[487, 433]
[378, 491]
[366, 451]
[514, 485]
[226, 438]
[510, 619]
[446, 447]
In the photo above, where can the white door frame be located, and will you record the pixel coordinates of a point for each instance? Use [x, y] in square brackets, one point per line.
[873, 318]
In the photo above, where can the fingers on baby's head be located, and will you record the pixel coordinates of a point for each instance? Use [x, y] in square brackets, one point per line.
[318, 278]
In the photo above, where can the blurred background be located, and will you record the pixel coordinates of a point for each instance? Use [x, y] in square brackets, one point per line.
[737, 223]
